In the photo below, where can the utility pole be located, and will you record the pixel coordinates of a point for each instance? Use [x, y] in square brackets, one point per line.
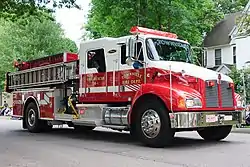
[244, 85]
[1, 97]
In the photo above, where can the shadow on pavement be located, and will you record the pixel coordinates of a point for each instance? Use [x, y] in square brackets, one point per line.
[115, 138]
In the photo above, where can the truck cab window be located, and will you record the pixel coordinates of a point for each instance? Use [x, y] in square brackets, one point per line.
[96, 59]
[123, 54]
[168, 50]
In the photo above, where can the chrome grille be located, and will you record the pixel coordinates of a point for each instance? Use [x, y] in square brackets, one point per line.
[226, 95]
[212, 96]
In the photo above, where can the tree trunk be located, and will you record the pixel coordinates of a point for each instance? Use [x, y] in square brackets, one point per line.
[1, 95]
[143, 13]
[169, 16]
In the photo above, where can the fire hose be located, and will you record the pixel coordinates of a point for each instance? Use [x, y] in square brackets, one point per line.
[73, 108]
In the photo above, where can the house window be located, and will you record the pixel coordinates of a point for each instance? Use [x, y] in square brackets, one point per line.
[217, 57]
[123, 54]
[234, 54]
[96, 59]
[205, 59]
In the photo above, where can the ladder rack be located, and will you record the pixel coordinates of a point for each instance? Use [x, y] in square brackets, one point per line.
[42, 76]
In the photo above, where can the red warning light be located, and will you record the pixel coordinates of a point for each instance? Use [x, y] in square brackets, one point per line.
[210, 83]
[137, 29]
[15, 63]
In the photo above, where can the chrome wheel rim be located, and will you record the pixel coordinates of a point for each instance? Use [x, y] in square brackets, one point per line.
[150, 123]
[31, 117]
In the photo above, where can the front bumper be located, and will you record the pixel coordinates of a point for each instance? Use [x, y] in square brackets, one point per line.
[205, 119]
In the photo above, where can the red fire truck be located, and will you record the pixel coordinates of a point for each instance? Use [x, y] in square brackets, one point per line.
[145, 83]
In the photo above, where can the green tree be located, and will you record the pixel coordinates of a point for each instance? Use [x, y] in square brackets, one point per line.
[189, 19]
[237, 76]
[14, 9]
[229, 6]
[30, 38]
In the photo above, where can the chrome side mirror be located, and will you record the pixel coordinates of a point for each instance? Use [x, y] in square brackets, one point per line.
[130, 61]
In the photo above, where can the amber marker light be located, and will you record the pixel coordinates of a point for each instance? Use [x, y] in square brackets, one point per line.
[181, 103]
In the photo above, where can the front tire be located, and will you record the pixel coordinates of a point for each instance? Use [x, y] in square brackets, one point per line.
[152, 124]
[215, 133]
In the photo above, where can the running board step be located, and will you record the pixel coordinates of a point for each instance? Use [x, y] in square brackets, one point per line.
[116, 127]
[115, 115]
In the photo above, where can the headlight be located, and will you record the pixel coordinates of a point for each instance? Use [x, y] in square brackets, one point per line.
[193, 103]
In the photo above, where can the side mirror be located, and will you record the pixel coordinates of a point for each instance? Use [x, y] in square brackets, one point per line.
[131, 44]
[129, 61]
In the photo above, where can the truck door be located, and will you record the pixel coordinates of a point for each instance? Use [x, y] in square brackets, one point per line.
[137, 51]
[96, 71]
[131, 76]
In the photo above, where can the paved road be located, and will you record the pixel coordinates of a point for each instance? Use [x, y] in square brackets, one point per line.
[66, 148]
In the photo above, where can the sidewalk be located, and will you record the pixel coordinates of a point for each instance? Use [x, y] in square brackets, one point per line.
[241, 130]
[5, 117]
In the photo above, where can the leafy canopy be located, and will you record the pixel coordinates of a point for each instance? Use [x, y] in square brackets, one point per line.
[229, 6]
[30, 38]
[15, 9]
[189, 19]
[28, 31]
[237, 76]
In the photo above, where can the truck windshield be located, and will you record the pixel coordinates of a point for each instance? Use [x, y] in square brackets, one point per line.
[168, 50]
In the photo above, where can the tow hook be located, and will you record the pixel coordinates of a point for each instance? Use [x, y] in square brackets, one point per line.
[221, 118]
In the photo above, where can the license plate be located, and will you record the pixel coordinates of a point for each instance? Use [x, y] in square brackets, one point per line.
[228, 118]
[211, 118]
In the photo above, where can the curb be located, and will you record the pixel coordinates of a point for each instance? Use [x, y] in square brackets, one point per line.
[241, 130]
[8, 118]
[234, 130]
[5, 117]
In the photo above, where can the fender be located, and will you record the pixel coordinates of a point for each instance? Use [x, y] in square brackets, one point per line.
[27, 101]
[162, 91]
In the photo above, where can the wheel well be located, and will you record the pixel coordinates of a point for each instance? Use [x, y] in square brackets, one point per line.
[27, 102]
[141, 100]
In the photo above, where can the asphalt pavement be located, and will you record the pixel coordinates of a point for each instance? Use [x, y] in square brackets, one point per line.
[63, 147]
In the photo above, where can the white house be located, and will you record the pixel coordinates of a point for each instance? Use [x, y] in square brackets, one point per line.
[243, 51]
[224, 48]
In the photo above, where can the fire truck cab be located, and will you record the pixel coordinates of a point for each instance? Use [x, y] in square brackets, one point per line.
[145, 83]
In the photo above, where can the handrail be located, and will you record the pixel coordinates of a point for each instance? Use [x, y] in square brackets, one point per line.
[171, 91]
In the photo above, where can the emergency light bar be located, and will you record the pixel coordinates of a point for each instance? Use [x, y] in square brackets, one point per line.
[137, 29]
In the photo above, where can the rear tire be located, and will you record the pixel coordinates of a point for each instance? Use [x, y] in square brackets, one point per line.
[215, 133]
[152, 124]
[34, 125]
